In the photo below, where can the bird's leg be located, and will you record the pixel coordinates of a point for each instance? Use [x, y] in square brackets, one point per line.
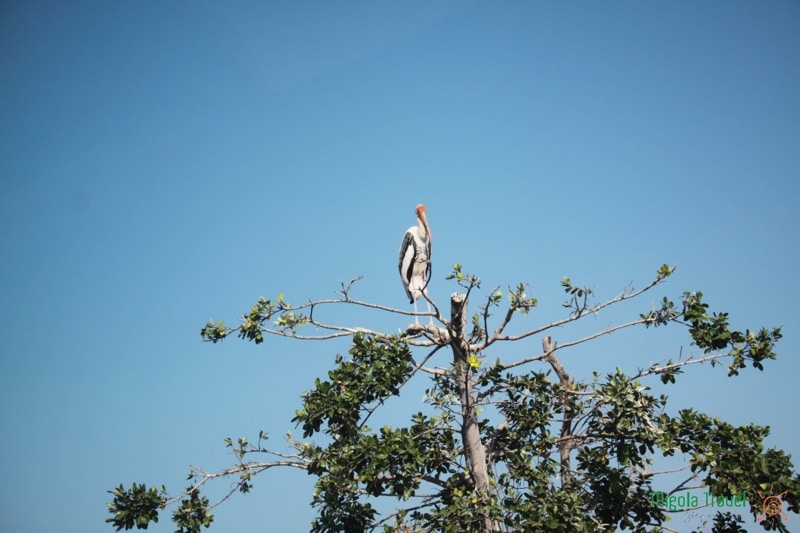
[416, 317]
[428, 302]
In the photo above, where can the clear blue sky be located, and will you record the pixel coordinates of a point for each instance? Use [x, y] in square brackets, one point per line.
[164, 163]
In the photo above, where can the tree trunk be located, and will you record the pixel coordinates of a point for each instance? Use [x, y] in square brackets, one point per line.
[566, 444]
[470, 432]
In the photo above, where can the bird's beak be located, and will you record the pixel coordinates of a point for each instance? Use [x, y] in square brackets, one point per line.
[424, 218]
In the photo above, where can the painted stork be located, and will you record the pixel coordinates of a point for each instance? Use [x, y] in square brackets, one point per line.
[414, 259]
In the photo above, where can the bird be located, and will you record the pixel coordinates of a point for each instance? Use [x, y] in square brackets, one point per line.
[414, 259]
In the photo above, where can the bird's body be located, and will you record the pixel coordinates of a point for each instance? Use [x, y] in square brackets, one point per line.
[414, 259]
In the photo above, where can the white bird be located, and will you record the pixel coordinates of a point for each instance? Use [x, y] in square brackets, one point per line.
[414, 259]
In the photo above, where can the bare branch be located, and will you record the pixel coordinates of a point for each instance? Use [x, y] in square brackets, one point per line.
[427, 503]
[499, 331]
[252, 468]
[295, 319]
[607, 331]
[624, 295]
[690, 361]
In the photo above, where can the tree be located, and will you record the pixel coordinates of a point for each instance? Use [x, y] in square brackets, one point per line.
[503, 445]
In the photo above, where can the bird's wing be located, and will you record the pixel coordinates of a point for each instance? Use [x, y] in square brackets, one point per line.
[406, 248]
[405, 260]
[429, 266]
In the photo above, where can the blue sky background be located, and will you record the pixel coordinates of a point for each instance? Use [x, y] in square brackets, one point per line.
[164, 163]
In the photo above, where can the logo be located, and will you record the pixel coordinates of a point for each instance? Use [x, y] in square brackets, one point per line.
[772, 505]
